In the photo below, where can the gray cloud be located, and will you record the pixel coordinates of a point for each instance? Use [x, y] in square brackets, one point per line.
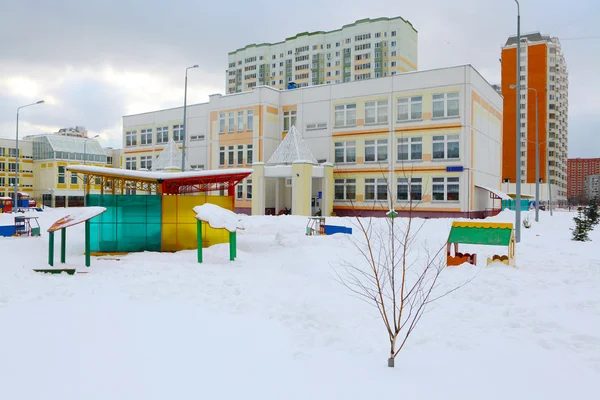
[66, 46]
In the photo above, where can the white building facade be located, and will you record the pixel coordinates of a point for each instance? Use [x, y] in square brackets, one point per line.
[430, 136]
[368, 48]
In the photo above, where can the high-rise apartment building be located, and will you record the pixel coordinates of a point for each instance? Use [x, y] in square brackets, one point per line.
[368, 48]
[578, 170]
[544, 69]
[592, 187]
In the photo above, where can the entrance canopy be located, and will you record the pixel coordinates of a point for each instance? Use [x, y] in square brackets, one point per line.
[495, 192]
[164, 182]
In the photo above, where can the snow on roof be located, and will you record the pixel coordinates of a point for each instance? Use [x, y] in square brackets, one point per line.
[292, 149]
[169, 158]
[218, 217]
[497, 192]
[157, 175]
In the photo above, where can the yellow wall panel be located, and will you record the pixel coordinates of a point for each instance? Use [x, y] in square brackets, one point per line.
[179, 222]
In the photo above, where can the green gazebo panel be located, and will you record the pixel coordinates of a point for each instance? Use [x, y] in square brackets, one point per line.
[486, 236]
[131, 223]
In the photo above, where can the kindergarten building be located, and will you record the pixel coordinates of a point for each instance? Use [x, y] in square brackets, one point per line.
[429, 141]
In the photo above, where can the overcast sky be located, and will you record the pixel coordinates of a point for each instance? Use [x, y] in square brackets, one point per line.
[94, 61]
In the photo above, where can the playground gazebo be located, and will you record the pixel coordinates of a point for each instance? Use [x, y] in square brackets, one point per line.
[153, 211]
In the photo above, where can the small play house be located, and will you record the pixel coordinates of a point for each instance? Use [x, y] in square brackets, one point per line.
[481, 233]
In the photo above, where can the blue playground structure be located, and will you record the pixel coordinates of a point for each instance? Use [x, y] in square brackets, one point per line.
[316, 226]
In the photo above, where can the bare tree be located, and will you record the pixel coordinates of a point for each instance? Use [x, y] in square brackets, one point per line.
[395, 275]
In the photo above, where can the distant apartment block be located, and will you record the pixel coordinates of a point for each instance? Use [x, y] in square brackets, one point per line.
[592, 187]
[368, 48]
[578, 170]
[544, 69]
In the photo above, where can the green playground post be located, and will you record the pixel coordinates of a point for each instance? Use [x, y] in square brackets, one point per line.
[199, 233]
[87, 243]
[51, 249]
[63, 245]
[232, 246]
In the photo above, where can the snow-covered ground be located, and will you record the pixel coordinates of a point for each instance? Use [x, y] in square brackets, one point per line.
[275, 324]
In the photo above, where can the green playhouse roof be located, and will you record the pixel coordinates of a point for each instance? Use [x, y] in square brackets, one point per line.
[488, 233]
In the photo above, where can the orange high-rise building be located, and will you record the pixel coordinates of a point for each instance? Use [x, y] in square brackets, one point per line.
[543, 68]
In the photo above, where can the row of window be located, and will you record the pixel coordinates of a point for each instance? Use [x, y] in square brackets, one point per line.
[444, 105]
[242, 194]
[11, 182]
[444, 147]
[231, 121]
[61, 177]
[147, 136]
[231, 155]
[407, 189]
[12, 152]
[316, 47]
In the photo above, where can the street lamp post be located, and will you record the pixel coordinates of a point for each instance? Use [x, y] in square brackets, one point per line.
[85, 176]
[537, 156]
[17, 154]
[184, 119]
[518, 132]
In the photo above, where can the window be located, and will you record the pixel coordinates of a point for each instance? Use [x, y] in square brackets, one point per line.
[445, 105]
[130, 163]
[376, 112]
[375, 189]
[410, 149]
[131, 138]
[12, 152]
[239, 192]
[61, 175]
[145, 136]
[345, 152]
[376, 150]
[249, 155]
[345, 115]
[230, 154]
[12, 167]
[12, 182]
[222, 123]
[393, 44]
[146, 162]
[445, 189]
[410, 189]
[195, 138]
[162, 134]
[289, 119]
[410, 108]
[231, 123]
[240, 121]
[2, 183]
[178, 133]
[240, 154]
[249, 120]
[2, 165]
[221, 156]
[315, 126]
[345, 189]
[249, 189]
[446, 147]
[393, 33]
[73, 178]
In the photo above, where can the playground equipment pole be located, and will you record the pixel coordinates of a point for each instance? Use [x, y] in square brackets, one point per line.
[17, 156]
[199, 234]
[63, 245]
[87, 243]
[184, 119]
[232, 246]
[51, 249]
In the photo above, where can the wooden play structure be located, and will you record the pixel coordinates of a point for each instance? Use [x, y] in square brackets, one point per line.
[77, 217]
[316, 226]
[217, 218]
[480, 233]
